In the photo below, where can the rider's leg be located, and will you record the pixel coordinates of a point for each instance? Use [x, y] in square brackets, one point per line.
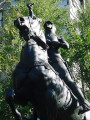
[64, 74]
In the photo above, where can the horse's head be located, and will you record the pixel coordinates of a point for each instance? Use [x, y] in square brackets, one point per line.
[29, 27]
[23, 24]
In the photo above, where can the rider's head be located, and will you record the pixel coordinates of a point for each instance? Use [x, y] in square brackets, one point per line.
[49, 26]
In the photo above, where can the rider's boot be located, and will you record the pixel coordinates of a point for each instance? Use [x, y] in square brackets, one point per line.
[82, 101]
[85, 107]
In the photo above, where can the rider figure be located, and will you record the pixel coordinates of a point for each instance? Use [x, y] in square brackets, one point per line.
[57, 62]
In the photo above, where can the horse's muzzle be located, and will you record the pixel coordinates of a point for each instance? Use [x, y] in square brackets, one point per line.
[19, 22]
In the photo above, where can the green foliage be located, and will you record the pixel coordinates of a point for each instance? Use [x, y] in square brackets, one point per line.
[79, 51]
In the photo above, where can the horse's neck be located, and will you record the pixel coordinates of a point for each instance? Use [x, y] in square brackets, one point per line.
[31, 53]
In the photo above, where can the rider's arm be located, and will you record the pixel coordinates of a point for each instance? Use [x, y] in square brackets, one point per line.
[31, 13]
[63, 43]
[57, 44]
[54, 44]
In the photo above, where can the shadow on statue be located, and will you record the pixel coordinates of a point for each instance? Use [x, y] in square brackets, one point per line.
[35, 80]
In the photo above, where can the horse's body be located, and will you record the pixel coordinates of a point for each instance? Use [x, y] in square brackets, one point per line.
[36, 81]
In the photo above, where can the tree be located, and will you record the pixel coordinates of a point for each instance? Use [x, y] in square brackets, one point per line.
[79, 51]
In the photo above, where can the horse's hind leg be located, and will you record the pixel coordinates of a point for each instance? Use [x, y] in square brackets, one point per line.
[9, 97]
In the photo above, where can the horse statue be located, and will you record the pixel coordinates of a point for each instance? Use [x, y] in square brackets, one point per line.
[35, 80]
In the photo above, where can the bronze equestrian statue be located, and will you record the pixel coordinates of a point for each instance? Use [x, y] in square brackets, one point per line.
[36, 81]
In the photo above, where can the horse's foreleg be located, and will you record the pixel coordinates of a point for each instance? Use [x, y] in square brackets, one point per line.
[10, 100]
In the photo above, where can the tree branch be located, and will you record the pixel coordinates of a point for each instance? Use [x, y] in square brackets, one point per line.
[3, 2]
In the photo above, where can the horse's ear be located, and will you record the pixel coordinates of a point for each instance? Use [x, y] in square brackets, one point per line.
[39, 19]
